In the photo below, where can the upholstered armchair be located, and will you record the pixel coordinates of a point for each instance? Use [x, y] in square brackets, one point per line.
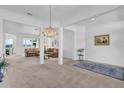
[52, 52]
[29, 52]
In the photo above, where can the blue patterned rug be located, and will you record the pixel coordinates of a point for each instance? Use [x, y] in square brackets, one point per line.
[109, 70]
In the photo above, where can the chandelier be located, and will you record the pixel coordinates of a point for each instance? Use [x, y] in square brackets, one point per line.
[50, 31]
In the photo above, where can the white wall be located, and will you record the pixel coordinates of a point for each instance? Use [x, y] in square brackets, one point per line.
[68, 43]
[112, 54]
[19, 48]
[79, 39]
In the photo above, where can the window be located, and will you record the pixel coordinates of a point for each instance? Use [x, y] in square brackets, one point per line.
[30, 43]
[9, 43]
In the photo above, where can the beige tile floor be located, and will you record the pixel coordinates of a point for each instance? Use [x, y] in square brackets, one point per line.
[28, 73]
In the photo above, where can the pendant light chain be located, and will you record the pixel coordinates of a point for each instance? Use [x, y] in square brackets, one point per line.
[50, 31]
[50, 14]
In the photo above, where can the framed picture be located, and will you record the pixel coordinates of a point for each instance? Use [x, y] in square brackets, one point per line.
[102, 40]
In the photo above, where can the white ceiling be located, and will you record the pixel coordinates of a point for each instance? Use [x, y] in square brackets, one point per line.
[111, 17]
[117, 15]
[65, 14]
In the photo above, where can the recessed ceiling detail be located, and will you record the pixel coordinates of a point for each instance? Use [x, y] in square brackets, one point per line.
[64, 14]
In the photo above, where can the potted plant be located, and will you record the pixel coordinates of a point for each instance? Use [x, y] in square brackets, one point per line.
[3, 65]
[80, 53]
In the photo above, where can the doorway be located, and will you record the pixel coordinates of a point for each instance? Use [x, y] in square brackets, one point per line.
[9, 44]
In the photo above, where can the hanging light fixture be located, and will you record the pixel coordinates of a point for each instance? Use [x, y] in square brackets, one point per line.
[50, 31]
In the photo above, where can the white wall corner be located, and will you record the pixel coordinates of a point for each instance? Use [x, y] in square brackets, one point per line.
[79, 41]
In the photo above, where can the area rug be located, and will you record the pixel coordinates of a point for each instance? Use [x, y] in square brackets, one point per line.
[105, 69]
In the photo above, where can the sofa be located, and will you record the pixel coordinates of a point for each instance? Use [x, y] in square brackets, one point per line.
[51, 52]
[30, 52]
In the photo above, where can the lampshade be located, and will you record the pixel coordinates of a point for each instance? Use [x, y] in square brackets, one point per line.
[50, 32]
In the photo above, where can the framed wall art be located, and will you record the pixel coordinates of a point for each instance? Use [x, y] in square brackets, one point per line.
[102, 40]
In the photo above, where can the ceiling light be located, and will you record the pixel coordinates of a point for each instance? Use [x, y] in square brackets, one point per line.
[50, 31]
[93, 19]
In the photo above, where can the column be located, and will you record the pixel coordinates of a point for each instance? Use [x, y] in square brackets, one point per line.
[1, 38]
[60, 60]
[41, 47]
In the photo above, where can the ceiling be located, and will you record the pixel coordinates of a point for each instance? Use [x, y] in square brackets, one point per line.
[64, 14]
[117, 15]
